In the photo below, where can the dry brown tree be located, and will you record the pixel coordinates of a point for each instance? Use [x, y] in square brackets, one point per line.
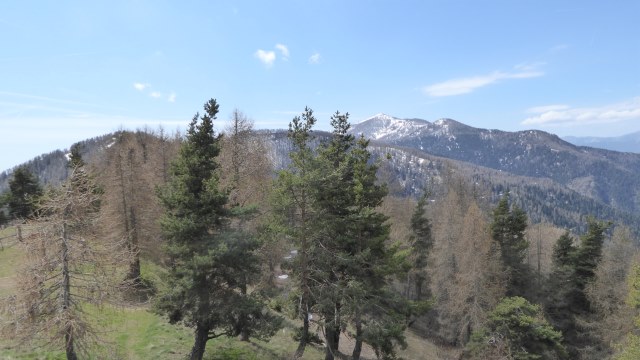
[479, 282]
[68, 271]
[608, 292]
[246, 172]
[131, 169]
[245, 167]
[465, 266]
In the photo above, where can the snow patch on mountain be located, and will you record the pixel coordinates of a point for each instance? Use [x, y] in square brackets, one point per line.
[383, 126]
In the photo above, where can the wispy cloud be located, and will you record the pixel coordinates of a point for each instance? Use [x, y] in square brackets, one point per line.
[267, 57]
[146, 88]
[529, 66]
[563, 115]
[46, 99]
[284, 50]
[546, 108]
[140, 86]
[314, 59]
[466, 85]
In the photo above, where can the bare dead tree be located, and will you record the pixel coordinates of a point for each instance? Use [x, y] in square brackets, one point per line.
[131, 169]
[465, 268]
[67, 271]
[246, 169]
[480, 282]
[608, 293]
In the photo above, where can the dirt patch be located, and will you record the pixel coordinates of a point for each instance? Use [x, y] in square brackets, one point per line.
[7, 285]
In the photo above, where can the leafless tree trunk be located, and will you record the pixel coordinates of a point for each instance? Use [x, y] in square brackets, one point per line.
[66, 268]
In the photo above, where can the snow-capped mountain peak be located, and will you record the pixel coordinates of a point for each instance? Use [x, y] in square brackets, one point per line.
[382, 117]
[383, 126]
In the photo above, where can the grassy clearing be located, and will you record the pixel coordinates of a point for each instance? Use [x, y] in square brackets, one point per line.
[10, 258]
[136, 333]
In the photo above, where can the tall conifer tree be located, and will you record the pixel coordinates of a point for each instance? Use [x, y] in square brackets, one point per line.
[353, 247]
[508, 230]
[293, 204]
[421, 241]
[24, 191]
[206, 258]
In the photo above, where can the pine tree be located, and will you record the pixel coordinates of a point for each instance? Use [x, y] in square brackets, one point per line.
[561, 288]
[352, 240]
[508, 230]
[421, 241]
[564, 251]
[516, 330]
[574, 268]
[378, 310]
[24, 192]
[207, 259]
[333, 200]
[587, 258]
[294, 214]
[327, 202]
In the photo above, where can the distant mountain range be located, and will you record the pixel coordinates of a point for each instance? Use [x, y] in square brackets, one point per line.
[599, 182]
[624, 143]
[552, 179]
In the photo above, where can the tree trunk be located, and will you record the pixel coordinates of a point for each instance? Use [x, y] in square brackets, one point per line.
[357, 349]
[243, 319]
[66, 296]
[304, 299]
[407, 288]
[332, 332]
[134, 266]
[68, 344]
[201, 338]
[305, 330]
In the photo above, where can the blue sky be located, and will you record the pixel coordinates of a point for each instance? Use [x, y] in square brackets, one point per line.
[70, 70]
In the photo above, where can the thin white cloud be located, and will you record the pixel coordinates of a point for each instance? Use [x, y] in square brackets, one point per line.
[284, 50]
[172, 97]
[47, 99]
[546, 108]
[568, 116]
[140, 86]
[469, 84]
[266, 57]
[526, 66]
[314, 59]
[155, 94]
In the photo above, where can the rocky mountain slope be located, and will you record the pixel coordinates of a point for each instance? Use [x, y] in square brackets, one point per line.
[408, 171]
[609, 177]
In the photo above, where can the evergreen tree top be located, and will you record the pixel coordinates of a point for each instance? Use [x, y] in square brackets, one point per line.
[564, 250]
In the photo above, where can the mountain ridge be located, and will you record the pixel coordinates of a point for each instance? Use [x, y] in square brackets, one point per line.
[607, 176]
[624, 143]
[553, 180]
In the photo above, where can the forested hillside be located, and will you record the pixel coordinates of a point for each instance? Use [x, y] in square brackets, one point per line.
[308, 245]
